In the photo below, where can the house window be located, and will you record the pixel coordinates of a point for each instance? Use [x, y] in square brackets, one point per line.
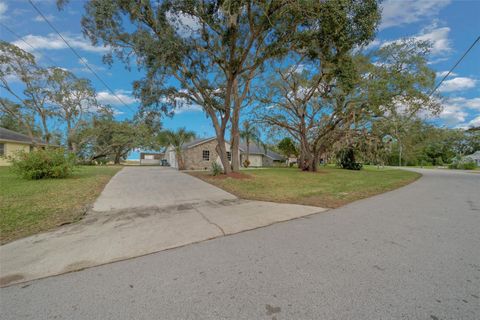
[31, 148]
[229, 156]
[2, 149]
[206, 155]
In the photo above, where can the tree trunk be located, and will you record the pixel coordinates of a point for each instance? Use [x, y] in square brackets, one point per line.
[235, 131]
[222, 153]
[181, 164]
[118, 155]
[234, 149]
[46, 135]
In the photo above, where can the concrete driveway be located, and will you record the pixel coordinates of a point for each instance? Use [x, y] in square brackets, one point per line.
[141, 210]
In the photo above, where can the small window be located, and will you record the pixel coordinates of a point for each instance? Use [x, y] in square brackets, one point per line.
[206, 155]
[229, 156]
[2, 149]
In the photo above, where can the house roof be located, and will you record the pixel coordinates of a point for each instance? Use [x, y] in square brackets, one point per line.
[9, 135]
[256, 149]
[197, 142]
[475, 155]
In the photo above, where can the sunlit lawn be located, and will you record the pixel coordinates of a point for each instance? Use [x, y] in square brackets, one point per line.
[31, 206]
[329, 187]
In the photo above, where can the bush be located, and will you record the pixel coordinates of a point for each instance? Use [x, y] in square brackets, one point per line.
[462, 164]
[439, 161]
[346, 159]
[468, 165]
[43, 164]
[216, 169]
[246, 163]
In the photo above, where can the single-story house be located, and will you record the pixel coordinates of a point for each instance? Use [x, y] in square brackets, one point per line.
[12, 142]
[151, 158]
[259, 156]
[475, 157]
[199, 154]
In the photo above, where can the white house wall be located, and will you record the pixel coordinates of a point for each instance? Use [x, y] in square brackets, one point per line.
[256, 160]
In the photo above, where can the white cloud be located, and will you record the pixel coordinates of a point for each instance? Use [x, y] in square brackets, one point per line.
[473, 103]
[50, 17]
[372, 45]
[475, 122]
[3, 9]
[93, 66]
[456, 110]
[106, 97]
[53, 41]
[441, 74]
[188, 108]
[457, 84]
[438, 37]
[185, 25]
[402, 12]
[453, 115]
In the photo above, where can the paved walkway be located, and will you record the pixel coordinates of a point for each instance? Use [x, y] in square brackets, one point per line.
[413, 253]
[142, 210]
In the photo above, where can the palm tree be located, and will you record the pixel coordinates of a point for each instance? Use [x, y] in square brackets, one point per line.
[250, 133]
[177, 139]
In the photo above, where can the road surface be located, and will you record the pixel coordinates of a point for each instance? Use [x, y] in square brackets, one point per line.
[413, 253]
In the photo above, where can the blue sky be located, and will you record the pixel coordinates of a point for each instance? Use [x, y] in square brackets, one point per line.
[450, 25]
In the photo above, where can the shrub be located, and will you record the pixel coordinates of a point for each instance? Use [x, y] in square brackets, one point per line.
[216, 169]
[425, 163]
[462, 164]
[42, 164]
[468, 165]
[246, 163]
[439, 161]
[346, 159]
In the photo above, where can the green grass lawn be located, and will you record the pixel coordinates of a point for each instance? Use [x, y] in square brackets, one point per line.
[329, 187]
[32, 206]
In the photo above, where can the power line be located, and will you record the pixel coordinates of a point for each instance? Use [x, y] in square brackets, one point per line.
[456, 64]
[24, 41]
[78, 56]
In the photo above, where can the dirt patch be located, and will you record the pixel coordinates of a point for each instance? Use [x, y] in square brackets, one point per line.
[233, 175]
[80, 265]
[11, 278]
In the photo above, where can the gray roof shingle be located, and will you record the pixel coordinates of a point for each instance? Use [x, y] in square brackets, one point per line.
[10, 135]
[256, 149]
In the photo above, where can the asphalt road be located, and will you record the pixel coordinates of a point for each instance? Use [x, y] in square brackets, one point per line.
[413, 253]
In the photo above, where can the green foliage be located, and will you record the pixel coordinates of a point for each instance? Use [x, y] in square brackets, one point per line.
[43, 164]
[216, 169]
[287, 147]
[346, 159]
[177, 139]
[463, 164]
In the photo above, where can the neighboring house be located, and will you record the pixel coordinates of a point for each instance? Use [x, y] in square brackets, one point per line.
[12, 142]
[475, 157]
[198, 154]
[292, 160]
[258, 156]
[151, 158]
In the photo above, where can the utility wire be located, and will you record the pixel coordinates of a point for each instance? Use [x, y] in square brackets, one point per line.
[78, 55]
[24, 41]
[456, 64]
